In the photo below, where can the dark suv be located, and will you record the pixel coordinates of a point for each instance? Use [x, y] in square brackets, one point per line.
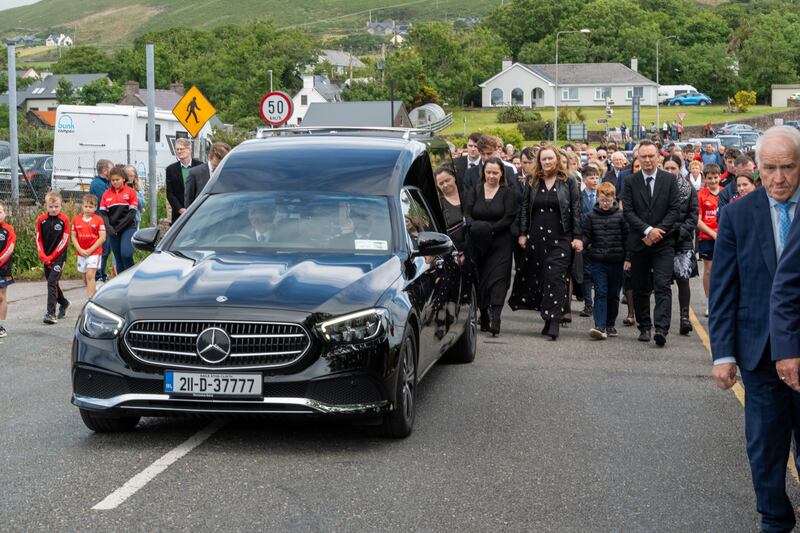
[314, 276]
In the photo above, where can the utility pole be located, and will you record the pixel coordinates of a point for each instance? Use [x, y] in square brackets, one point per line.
[13, 161]
[152, 179]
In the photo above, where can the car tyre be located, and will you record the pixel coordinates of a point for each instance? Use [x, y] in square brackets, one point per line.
[703, 102]
[463, 351]
[398, 423]
[678, 102]
[108, 424]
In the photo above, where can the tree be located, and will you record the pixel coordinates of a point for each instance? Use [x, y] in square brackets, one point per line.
[65, 92]
[82, 60]
[101, 90]
[364, 92]
[771, 53]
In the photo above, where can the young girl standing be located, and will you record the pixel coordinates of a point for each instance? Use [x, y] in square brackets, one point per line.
[7, 241]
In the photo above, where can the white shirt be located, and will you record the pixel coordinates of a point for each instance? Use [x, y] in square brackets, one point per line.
[652, 188]
[473, 162]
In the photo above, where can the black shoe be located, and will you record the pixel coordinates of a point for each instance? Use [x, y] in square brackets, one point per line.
[3, 332]
[552, 330]
[566, 319]
[62, 310]
[660, 338]
[686, 324]
[644, 336]
[50, 319]
[587, 311]
[612, 332]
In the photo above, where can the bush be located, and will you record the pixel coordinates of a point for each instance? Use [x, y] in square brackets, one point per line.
[532, 130]
[744, 99]
[508, 135]
[26, 259]
[515, 114]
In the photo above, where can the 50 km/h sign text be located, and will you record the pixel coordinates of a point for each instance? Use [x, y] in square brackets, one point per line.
[276, 108]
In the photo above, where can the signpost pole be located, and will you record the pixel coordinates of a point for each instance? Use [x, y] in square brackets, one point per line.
[152, 179]
[13, 140]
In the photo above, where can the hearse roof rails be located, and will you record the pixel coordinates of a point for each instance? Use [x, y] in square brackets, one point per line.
[405, 133]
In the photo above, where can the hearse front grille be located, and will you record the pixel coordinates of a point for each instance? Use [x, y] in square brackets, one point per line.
[173, 343]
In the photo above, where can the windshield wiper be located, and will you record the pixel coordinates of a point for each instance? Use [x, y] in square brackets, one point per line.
[183, 255]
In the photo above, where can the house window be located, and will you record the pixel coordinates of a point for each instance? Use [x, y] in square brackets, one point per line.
[635, 91]
[516, 97]
[537, 96]
[601, 93]
[158, 133]
[569, 93]
[497, 96]
[303, 99]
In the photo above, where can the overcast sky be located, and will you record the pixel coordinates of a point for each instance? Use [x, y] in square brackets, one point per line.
[8, 4]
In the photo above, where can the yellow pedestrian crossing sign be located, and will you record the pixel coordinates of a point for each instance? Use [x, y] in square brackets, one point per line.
[193, 111]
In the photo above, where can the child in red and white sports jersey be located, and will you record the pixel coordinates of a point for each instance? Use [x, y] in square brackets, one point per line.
[707, 222]
[88, 236]
[52, 239]
[7, 242]
[118, 207]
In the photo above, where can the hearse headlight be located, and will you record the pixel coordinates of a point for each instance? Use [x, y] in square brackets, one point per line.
[355, 327]
[98, 323]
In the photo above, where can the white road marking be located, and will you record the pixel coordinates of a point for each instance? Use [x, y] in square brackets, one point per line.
[132, 486]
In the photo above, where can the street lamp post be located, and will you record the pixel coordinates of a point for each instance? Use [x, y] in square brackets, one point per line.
[555, 99]
[658, 103]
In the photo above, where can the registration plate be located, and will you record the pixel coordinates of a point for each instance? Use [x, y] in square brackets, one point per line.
[84, 187]
[211, 385]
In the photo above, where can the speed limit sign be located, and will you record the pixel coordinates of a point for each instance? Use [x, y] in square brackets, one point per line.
[276, 108]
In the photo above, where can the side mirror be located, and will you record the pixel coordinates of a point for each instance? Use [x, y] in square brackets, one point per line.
[431, 243]
[145, 239]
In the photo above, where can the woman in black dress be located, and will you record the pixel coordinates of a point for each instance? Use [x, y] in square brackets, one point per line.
[490, 208]
[550, 230]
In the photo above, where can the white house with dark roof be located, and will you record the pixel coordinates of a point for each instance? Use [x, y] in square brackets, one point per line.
[316, 90]
[579, 85]
[341, 61]
[41, 95]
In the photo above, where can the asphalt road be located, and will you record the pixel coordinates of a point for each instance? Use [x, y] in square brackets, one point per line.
[573, 435]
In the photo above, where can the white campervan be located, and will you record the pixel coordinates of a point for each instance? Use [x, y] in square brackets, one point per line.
[84, 134]
[668, 92]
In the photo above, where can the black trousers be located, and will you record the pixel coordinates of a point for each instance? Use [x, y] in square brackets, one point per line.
[771, 421]
[54, 295]
[652, 269]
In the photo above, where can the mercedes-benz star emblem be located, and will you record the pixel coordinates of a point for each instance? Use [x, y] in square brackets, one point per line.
[222, 299]
[213, 345]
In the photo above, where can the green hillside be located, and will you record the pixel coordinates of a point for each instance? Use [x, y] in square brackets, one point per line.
[115, 23]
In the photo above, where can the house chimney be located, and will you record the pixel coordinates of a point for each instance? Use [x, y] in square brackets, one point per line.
[635, 64]
[177, 88]
[308, 81]
[131, 88]
[506, 62]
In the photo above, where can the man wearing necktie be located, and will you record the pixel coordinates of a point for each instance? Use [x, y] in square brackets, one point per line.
[652, 208]
[752, 239]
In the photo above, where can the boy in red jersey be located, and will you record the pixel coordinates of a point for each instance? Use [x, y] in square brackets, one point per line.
[708, 200]
[88, 236]
[7, 241]
[52, 238]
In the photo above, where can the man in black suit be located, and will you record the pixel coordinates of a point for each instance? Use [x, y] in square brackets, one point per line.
[471, 159]
[652, 207]
[199, 175]
[177, 174]
[488, 146]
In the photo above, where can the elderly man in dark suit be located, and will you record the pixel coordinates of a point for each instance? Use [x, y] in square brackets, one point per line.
[199, 175]
[752, 237]
[177, 174]
[652, 207]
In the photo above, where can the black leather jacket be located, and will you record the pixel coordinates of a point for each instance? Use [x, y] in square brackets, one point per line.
[569, 203]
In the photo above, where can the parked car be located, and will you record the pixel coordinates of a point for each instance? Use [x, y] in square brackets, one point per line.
[667, 92]
[351, 298]
[794, 97]
[749, 138]
[36, 180]
[714, 141]
[729, 129]
[691, 98]
[792, 123]
[731, 141]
